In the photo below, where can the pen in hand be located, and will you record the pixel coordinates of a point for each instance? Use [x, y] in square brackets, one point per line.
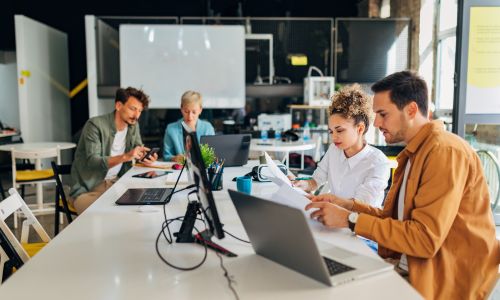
[302, 178]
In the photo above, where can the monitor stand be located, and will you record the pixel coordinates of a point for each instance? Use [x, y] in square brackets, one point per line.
[185, 234]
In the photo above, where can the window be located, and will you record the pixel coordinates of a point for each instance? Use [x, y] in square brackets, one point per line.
[447, 24]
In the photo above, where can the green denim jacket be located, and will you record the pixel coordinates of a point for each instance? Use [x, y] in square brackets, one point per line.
[90, 165]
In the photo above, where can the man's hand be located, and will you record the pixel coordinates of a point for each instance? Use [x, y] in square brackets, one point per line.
[138, 152]
[344, 203]
[331, 215]
[178, 158]
[150, 161]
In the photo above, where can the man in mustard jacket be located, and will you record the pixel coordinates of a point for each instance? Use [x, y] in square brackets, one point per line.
[436, 224]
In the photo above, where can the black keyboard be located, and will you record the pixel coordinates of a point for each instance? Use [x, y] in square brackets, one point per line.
[335, 268]
[152, 195]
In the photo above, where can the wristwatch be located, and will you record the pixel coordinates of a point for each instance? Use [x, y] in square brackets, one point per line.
[352, 219]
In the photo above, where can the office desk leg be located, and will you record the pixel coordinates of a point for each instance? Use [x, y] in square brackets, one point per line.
[302, 161]
[39, 187]
[287, 159]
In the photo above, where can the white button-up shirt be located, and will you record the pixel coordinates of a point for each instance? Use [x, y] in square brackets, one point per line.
[363, 177]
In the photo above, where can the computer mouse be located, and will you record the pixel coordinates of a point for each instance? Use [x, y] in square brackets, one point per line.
[147, 208]
[176, 166]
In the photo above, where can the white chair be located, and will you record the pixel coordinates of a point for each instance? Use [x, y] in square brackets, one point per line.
[37, 176]
[24, 249]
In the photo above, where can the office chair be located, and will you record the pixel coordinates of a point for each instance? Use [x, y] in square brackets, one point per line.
[23, 249]
[491, 169]
[61, 203]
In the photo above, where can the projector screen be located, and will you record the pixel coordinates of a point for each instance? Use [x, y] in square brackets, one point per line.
[167, 60]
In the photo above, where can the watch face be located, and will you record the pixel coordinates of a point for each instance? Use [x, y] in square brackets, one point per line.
[353, 217]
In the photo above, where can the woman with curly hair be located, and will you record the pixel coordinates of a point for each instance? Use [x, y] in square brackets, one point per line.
[353, 169]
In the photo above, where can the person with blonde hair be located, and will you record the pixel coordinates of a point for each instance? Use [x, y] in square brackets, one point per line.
[352, 168]
[173, 142]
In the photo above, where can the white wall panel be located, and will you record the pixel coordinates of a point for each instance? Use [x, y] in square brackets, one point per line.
[43, 82]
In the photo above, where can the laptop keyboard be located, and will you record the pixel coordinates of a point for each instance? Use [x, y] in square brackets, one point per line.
[335, 268]
[152, 195]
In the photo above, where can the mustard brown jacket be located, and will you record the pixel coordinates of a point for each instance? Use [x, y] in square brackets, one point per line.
[447, 232]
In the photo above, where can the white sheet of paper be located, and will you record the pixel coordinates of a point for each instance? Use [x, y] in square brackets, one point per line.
[172, 178]
[276, 171]
[280, 183]
[279, 178]
[163, 163]
[289, 196]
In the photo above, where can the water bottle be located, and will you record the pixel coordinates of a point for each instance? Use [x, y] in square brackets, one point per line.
[263, 135]
[277, 134]
[306, 136]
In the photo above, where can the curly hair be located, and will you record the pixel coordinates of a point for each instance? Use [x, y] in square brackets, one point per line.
[352, 103]
[122, 96]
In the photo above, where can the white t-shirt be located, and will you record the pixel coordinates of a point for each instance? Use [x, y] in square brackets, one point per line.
[117, 148]
[403, 262]
[362, 177]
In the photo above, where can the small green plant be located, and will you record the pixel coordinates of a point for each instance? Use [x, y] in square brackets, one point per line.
[208, 154]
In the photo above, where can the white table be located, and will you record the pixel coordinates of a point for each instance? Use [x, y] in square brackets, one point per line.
[108, 253]
[35, 148]
[272, 145]
[8, 134]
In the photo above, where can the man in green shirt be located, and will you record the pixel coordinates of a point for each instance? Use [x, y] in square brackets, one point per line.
[106, 148]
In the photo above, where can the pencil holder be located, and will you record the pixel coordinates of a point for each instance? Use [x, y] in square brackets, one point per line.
[216, 179]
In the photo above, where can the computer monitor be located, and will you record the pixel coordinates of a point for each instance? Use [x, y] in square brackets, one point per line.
[198, 174]
[233, 148]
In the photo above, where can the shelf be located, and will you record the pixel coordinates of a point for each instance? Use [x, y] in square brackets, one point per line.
[304, 106]
[275, 90]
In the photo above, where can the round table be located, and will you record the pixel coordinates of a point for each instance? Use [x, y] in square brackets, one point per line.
[38, 147]
[272, 145]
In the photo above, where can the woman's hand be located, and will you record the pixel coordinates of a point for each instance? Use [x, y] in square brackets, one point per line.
[306, 185]
[178, 158]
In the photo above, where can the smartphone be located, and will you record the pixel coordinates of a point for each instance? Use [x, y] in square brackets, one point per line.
[152, 174]
[150, 152]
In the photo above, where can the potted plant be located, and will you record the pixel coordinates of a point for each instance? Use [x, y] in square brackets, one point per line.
[208, 154]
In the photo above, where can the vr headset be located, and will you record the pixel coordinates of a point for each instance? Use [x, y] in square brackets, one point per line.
[262, 172]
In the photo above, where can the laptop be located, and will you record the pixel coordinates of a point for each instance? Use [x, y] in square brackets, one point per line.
[281, 233]
[233, 148]
[146, 196]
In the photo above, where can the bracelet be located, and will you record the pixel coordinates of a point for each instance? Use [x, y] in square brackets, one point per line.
[352, 206]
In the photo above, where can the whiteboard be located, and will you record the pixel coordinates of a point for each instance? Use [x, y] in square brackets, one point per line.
[167, 60]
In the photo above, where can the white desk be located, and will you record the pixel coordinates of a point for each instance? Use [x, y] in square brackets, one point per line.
[8, 133]
[35, 148]
[108, 253]
[273, 145]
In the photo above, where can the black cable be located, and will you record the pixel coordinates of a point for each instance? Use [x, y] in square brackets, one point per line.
[169, 239]
[169, 197]
[229, 278]
[235, 237]
[172, 265]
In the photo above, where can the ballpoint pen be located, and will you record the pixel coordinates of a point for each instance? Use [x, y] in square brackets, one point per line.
[302, 178]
